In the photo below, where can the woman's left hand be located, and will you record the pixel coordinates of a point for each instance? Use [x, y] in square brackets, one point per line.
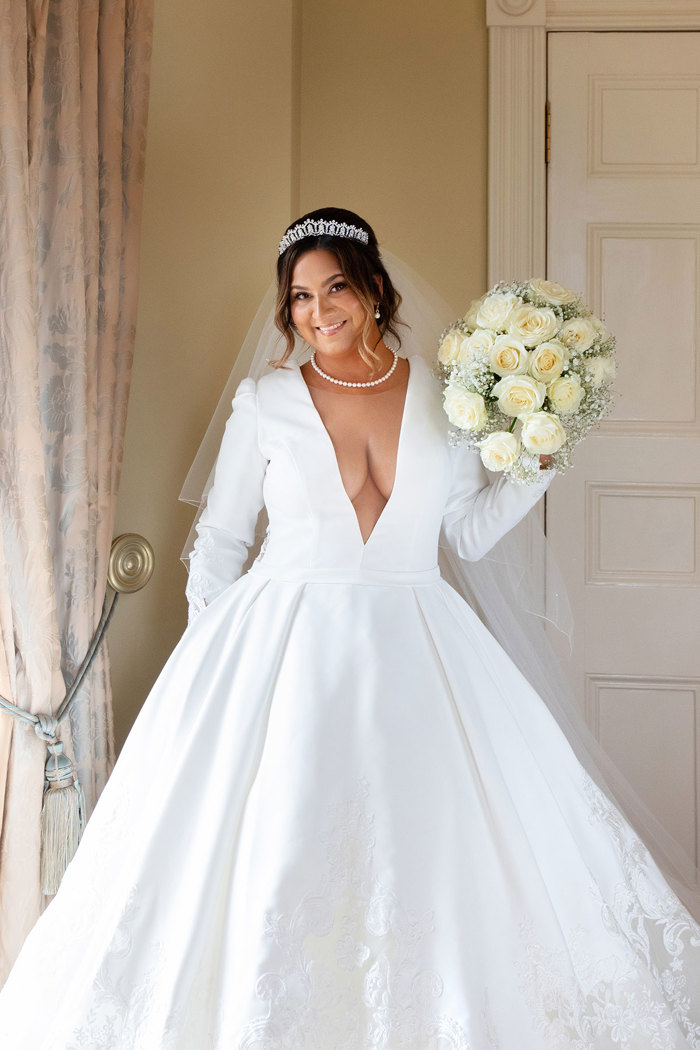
[546, 462]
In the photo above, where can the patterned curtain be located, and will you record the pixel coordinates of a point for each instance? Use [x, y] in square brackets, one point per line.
[74, 77]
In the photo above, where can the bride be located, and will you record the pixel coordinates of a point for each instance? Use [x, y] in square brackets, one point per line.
[344, 819]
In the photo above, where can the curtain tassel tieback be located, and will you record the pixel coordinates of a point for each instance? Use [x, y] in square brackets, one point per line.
[63, 815]
[63, 811]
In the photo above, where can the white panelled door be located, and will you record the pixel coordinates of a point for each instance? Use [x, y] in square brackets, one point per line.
[624, 228]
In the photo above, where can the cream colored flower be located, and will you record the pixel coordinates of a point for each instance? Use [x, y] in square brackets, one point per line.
[600, 369]
[458, 348]
[499, 450]
[542, 433]
[578, 334]
[477, 345]
[508, 356]
[470, 316]
[450, 347]
[496, 309]
[565, 394]
[533, 324]
[547, 360]
[518, 395]
[552, 292]
[464, 408]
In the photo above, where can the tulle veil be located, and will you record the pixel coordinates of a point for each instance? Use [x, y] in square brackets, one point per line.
[516, 589]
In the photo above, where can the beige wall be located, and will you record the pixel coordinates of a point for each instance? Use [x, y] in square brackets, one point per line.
[393, 125]
[218, 190]
[260, 111]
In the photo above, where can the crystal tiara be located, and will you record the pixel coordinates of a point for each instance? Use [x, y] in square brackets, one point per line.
[316, 227]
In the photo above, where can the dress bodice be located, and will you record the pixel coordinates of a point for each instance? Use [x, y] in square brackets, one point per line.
[277, 452]
[312, 519]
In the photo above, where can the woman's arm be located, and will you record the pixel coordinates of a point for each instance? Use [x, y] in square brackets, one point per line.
[226, 527]
[479, 512]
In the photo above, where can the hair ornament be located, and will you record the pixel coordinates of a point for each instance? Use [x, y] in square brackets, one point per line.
[318, 227]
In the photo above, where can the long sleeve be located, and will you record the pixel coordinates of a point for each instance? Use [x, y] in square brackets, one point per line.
[226, 528]
[478, 513]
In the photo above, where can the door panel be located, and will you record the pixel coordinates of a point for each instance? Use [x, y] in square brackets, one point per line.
[624, 229]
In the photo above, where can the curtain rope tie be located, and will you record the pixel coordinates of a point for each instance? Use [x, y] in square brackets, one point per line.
[63, 812]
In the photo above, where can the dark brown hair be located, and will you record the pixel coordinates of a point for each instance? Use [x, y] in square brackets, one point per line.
[360, 265]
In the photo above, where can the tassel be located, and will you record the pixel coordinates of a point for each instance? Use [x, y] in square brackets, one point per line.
[62, 817]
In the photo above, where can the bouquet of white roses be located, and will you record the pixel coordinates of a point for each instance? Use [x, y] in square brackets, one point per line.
[527, 371]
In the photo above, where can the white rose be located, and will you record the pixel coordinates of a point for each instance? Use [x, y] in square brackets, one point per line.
[518, 395]
[496, 309]
[547, 360]
[552, 292]
[499, 450]
[565, 394]
[542, 433]
[450, 347]
[533, 324]
[464, 409]
[508, 356]
[578, 334]
[476, 345]
[470, 316]
[600, 369]
[458, 348]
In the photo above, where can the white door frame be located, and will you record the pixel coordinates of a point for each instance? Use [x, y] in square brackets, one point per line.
[517, 202]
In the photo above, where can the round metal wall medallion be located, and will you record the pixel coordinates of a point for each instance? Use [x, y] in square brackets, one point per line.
[131, 562]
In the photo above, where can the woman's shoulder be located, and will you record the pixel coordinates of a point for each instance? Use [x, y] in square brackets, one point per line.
[278, 378]
[279, 389]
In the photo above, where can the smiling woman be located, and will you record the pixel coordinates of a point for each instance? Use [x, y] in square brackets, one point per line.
[326, 306]
[364, 288]
[335, 293]
[362, 826]
[361, 415]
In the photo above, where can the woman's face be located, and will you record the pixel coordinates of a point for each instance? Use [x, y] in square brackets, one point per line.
[325, 310]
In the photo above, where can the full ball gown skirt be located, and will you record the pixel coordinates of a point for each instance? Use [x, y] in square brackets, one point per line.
[343, 819]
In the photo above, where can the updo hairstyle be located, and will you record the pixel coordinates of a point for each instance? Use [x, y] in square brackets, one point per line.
[359, 263]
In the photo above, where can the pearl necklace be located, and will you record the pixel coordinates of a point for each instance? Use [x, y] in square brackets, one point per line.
[343, 382]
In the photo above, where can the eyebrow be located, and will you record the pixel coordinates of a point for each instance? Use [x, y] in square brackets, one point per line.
[333, 278]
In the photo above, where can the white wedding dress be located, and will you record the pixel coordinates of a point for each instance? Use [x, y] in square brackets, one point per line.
[343, 820]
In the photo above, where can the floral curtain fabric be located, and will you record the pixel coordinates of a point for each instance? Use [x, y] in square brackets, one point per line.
[74, 78]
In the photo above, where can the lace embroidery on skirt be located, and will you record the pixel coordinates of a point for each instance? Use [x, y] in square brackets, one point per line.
[636, 1000]
[348, 974]
[117, 1017]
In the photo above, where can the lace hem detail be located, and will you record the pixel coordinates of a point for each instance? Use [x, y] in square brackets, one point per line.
[349, 971]
[634, 1000]
[114, 1016]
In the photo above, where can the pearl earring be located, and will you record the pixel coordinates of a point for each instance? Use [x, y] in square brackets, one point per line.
[377, 312]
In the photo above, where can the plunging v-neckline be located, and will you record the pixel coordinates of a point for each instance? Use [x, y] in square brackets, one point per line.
[397, 465]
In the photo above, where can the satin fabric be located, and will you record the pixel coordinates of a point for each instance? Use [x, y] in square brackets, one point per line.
[343, 820]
